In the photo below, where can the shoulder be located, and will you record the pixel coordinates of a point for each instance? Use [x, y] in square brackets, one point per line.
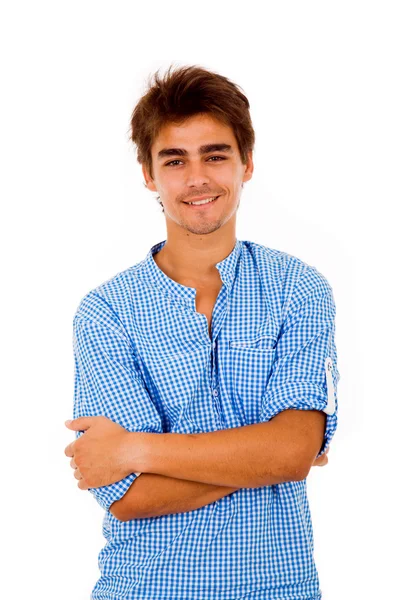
[290, 276]
[110, 301]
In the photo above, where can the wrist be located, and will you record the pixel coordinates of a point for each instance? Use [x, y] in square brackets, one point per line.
[139, 451]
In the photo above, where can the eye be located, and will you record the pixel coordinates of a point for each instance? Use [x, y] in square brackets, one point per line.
[171, 163]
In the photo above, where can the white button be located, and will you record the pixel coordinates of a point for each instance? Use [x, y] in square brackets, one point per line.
[330, 404]
[215, 392]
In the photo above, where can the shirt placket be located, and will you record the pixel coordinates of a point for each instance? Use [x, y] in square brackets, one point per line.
[218, 317]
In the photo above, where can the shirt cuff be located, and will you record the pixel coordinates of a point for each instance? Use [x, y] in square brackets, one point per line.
[107, 494]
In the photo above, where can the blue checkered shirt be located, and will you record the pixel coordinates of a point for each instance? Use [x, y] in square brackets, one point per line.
[145, 359]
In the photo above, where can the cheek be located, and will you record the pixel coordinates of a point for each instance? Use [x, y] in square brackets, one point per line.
[230, 177]
[171, 186]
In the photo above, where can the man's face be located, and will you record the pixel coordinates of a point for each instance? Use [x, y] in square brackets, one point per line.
[184, 171]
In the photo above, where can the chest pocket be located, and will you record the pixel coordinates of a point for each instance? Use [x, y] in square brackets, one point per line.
[251, 362]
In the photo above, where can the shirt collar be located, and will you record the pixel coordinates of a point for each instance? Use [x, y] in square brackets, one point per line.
[151, 272]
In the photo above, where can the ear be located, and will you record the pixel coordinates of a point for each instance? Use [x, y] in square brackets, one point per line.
[248, 172]
[148, 180]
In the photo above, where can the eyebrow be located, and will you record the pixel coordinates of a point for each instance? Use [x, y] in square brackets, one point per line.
[202, 150]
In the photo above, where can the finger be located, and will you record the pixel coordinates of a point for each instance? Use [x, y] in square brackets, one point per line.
[83, 485]
[69, 450]
[79, 424]
[77, 474]
[321, 461]
[73, 463]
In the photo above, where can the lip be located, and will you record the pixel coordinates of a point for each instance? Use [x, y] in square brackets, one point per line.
[200, 206]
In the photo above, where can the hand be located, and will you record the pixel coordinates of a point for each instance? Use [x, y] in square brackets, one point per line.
[322, 460]
[101, 455]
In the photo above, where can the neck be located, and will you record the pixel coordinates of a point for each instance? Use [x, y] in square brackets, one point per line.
[188, 256]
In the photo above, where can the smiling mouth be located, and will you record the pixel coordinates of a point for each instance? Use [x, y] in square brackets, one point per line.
[203, 203]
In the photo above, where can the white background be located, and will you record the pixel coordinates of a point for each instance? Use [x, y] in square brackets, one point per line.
[322, 79]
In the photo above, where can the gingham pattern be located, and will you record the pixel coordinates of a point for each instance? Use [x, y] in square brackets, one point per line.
[144, 358]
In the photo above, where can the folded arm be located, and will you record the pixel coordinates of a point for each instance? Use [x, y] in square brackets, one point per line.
[153, 495]
[286, 454]
[280, 450]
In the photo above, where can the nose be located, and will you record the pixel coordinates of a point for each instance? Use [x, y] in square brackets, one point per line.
[196, 175]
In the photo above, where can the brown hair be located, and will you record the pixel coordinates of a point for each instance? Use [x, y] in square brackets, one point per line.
[183, 93]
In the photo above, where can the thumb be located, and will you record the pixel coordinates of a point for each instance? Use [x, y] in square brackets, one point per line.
[78, 424]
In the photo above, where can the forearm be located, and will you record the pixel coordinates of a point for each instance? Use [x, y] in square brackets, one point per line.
[153, 495]
[280, 450]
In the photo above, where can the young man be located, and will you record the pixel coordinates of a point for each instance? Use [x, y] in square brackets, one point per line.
[205, 376]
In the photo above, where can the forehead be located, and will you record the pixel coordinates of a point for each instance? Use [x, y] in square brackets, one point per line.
[193, 133]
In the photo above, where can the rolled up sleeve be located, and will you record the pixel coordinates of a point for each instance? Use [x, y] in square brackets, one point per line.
[305, 374]
[107, 381]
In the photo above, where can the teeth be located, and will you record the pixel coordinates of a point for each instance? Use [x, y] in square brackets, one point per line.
[203, 201]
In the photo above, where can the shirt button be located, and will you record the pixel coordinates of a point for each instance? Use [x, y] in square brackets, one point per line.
[215, 392]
